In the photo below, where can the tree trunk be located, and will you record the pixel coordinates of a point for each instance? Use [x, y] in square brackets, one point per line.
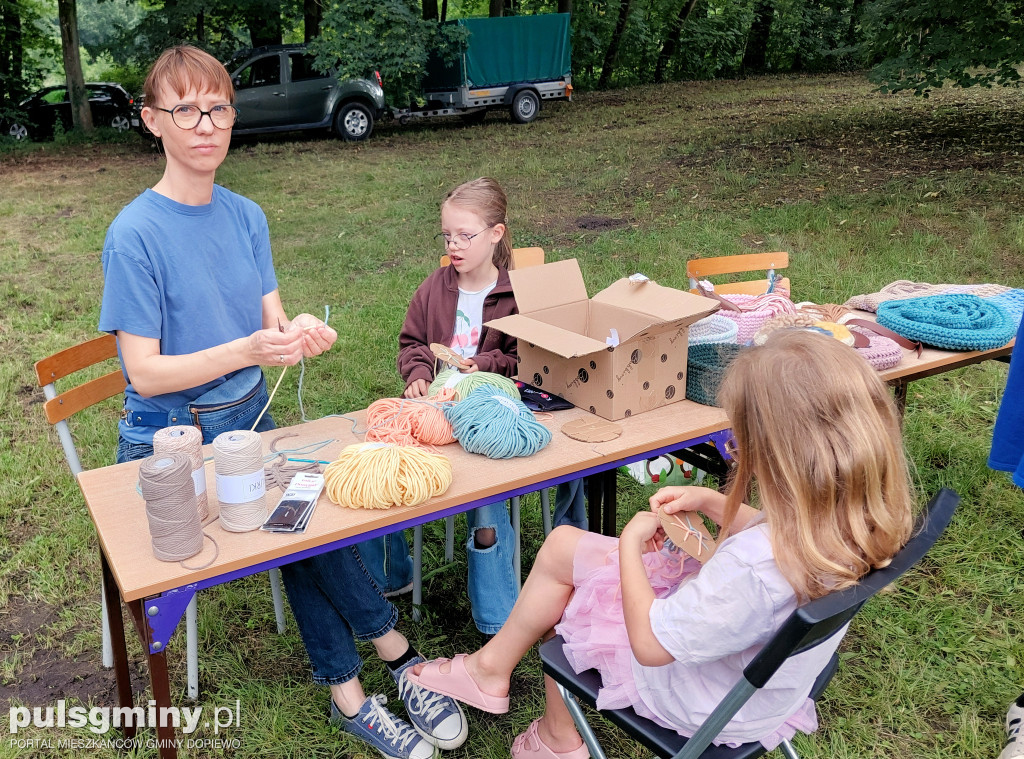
[608, 67]
[313, 15]
[444, 11]
[200, 27]
[264, 23]
[855, 11]
[497, 8]
[671, 46]
[81, 116]
[429, 10]
[565, 6]
[755, 58]
[11, 54]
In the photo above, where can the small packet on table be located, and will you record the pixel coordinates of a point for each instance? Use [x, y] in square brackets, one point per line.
[296, 505]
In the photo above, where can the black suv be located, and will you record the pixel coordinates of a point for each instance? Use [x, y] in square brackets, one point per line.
[278, 90]
[110, 103]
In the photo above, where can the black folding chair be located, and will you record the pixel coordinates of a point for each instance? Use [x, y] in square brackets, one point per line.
[806, 627]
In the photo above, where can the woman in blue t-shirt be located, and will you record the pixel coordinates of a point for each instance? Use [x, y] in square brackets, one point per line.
[191, 295]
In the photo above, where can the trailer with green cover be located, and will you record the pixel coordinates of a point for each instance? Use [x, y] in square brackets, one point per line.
[513, 62]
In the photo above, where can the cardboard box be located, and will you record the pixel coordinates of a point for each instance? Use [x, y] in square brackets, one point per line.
[616, 354]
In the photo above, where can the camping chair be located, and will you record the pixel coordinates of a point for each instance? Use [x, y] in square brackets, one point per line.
[702, 268]
[806, 627]
[58, 408]
[521, 258]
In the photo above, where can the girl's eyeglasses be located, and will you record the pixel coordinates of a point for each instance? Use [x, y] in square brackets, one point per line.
[188, 116]
[730, 447]
[461, 241]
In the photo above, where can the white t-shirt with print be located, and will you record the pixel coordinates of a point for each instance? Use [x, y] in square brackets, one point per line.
[469, 318]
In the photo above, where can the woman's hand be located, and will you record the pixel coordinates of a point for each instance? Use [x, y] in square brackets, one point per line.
[317, 337]
[416, 389]
[644, 530]
[468, 366]
[272, 347]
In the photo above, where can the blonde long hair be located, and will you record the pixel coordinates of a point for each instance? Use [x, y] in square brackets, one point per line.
[486, 199]
[818, 434]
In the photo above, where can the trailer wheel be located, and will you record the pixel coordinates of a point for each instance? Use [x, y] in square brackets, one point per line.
[525, 106]
[353, 122]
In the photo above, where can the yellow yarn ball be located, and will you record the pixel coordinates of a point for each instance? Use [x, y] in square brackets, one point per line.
[379, 475]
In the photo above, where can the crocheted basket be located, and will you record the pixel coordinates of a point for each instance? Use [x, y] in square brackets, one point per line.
[755, 311]
[952, 322]
[805, 321]
[713, 329]
[705, 367]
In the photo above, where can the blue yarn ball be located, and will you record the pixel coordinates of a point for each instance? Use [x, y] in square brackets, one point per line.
[490, 423]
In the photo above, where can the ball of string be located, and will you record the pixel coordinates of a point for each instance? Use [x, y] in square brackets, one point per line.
[467, 383]
[495, 425]
[378, 476]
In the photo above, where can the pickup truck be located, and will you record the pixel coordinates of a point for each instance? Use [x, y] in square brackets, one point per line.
[512, 62]
[278, 90]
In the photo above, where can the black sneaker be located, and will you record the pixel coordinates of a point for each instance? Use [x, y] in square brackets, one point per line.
[376, 726]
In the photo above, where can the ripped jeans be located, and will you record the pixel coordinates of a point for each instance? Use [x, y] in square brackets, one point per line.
[493, 589]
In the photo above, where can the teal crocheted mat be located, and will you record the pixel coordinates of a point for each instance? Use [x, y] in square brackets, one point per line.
[952, 322]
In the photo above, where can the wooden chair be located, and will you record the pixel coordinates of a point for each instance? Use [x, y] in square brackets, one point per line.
[701, 268]
[59, 407]
[521, 258]
[809, 625]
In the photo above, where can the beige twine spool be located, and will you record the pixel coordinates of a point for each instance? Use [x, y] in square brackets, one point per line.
[188, 440]
[166, 484]
[241, 483]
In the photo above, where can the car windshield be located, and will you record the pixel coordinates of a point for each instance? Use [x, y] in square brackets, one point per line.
[237, 60]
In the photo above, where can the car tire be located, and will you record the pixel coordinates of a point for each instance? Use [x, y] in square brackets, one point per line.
[121, 123]
[525, 106]
[353, 122]
[18, 131]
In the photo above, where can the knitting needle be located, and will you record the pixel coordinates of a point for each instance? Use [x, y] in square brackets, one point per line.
[310, 461]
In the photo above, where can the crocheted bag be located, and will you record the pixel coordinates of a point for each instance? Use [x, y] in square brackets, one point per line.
[881, 352]
[705, 367]
[951, 322]
[713, 329]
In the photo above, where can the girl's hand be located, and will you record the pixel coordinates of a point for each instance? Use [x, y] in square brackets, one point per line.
[676, 498]
[644, 530]
[271, 347]
[416, 389]
[317, 337]
[468, 366]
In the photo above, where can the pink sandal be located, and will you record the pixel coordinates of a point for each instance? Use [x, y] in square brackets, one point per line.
[529, 744]
[458, 684]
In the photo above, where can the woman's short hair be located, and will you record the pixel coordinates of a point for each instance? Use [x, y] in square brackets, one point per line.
[183, 67]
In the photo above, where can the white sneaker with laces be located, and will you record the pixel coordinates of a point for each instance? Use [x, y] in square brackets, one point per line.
[1014, 748]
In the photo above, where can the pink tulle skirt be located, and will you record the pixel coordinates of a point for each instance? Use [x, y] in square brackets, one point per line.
[594, 630]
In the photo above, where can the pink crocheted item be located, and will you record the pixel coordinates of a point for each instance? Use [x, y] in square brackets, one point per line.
[882, 352]
[754, 311]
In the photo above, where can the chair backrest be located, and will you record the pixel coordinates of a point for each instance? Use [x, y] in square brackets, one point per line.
[59, 406]
[522, 258]
[818, 620]
[702, 268]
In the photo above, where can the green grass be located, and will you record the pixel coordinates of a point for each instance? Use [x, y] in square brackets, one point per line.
[860, 188]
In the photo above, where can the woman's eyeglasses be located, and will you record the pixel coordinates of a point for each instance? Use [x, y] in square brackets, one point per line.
[188, 116]
[460, 241]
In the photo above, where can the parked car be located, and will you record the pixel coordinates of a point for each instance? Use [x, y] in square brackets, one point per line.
[278, 90]
[110, 103]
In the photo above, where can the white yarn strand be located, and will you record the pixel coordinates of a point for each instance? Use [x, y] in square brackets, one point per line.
[241, 483]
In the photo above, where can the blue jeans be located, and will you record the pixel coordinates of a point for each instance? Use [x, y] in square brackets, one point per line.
[333, 597]
[492, 580]
[570, 504]
[388, 561]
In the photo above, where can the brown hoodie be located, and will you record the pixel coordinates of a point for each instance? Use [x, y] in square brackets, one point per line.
[431, 319]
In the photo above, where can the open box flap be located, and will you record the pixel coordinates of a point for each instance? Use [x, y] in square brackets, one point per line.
[547, 286]
[665, 304]
[560, 341]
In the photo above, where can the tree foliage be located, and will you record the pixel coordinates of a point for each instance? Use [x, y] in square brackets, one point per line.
[389, 36]
[924, 44]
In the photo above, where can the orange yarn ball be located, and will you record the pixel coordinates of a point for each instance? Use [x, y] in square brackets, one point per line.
[410, 421]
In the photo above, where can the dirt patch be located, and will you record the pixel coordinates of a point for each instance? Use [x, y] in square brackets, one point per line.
[599, 223]
[43, 676]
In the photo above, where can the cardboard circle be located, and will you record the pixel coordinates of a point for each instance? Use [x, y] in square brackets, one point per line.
[591, 430]
[446, 354]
